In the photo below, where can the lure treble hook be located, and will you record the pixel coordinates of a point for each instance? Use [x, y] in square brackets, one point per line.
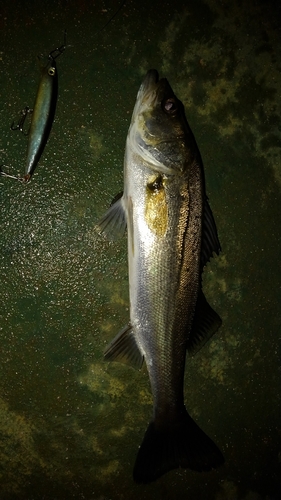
[19, 126]
[4, 174]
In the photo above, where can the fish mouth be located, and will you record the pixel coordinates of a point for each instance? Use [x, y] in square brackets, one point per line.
[147, 93]
[151, 78]
[154, 88]
[153, 91]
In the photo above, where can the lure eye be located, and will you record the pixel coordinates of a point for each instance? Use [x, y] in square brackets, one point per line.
[51, 71]
[170, 106]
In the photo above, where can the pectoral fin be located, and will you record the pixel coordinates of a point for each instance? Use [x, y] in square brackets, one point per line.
[113, 223]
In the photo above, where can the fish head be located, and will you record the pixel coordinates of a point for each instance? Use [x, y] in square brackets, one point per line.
[159, 132]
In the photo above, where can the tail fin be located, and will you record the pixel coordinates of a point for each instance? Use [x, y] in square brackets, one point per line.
[182, 445]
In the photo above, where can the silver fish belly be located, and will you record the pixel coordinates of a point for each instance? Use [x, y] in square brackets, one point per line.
[171, 236]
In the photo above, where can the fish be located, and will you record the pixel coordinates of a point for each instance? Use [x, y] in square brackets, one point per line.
[171, 235]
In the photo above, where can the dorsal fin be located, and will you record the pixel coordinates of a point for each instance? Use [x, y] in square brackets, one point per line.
[210, 239]
[205, 323]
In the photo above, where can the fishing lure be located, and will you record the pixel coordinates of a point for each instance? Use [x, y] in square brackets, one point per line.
[44, 110]
[43, 115]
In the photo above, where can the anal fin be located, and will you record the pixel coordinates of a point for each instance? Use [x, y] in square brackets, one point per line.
[124, 348]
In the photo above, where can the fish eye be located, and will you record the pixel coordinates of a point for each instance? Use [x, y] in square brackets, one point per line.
[51, 71]
[170, 105]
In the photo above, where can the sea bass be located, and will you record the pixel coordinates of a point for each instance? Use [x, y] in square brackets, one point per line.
[171, 236]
